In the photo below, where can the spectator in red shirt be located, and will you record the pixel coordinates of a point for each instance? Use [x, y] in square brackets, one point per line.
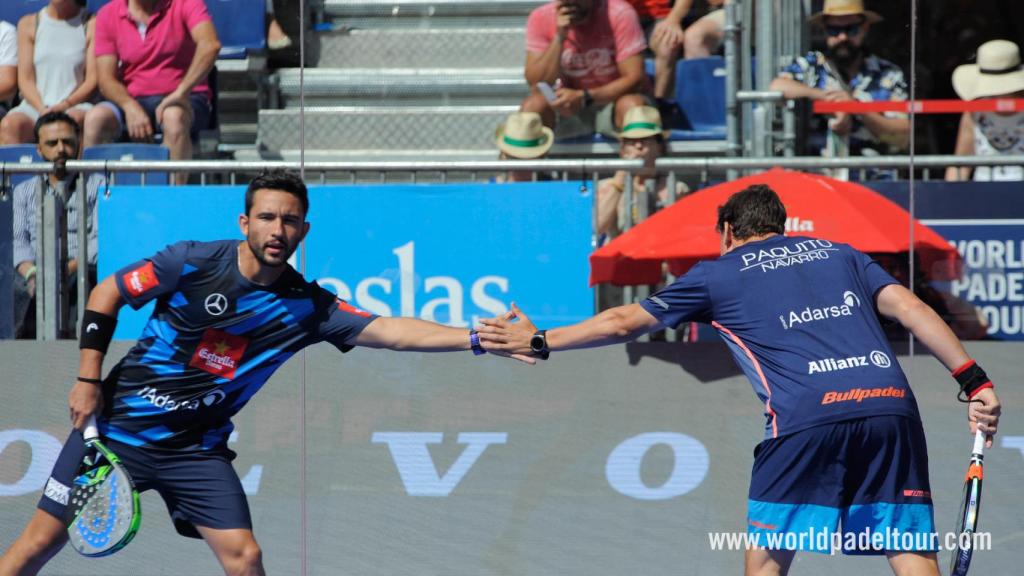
[152, 59]
[662, 22]
[591, 53]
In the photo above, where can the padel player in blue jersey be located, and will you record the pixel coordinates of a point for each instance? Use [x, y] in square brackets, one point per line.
[843, 439]
[227, 315]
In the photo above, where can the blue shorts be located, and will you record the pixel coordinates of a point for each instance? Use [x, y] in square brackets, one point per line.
[201, 113]
[199, 489]
[868, 474]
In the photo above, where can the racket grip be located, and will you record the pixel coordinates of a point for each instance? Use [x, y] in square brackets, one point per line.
[90, 432]
[979, 442]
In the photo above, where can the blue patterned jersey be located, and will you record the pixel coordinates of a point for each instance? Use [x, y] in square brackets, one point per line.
[214, 339]
[877, 80]
[799, 317]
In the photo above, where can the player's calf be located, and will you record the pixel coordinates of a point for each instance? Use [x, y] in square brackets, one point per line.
[44, 536]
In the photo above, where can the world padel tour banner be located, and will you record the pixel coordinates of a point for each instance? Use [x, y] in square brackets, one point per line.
[985, 221]
[448, 253]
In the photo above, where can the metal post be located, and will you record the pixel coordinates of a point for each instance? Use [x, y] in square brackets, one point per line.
[51, 255]
[627, 196]
[732, 108]
[7, 272]
[85, 221]
[789, 129]
[766, 63]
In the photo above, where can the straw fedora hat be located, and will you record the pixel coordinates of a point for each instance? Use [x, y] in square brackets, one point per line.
[523, 135]
[844, 8]
[641, 122]
[997, 72]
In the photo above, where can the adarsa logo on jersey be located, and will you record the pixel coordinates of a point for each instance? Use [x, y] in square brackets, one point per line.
[860, 394]
[219, 353]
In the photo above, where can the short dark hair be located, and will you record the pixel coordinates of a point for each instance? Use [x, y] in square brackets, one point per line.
[753, 211]
[53, 118]
[283, 180]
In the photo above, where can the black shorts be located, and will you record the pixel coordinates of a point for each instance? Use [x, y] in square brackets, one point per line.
[199, 488]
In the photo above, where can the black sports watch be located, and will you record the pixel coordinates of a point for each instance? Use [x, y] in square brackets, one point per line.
[587, 98]
[539, 344]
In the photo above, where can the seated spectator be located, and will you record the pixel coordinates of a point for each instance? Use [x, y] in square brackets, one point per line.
[662, 22]
[591, 53]
[152, 59]
[59, 139]
[56, 68]
[998, 74]
[8, 66]
[276, 37]
[848, 71]
[642, 137]
[705, 36]
[522, 137]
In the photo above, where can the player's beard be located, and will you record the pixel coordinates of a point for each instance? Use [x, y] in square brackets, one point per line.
[845, 53]
[259, 251]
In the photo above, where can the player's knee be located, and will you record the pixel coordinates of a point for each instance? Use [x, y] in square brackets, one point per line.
[248, 558]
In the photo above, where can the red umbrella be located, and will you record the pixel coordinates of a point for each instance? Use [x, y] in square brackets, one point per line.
[816, 206]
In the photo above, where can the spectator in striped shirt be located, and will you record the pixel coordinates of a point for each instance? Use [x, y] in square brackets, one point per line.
[58, 137]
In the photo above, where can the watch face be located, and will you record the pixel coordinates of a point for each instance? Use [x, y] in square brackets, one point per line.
[537, 343]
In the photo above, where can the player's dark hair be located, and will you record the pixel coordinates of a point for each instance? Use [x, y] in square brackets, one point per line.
[283, 180]
[753, 211]
[53, 118]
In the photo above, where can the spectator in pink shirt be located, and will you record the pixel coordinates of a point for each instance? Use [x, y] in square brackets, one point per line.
[591, 53]
[152, 59]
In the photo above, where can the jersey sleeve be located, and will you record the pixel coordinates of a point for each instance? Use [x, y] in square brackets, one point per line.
[871, 272]
[152, 277]
[685, 300]
[341, 321]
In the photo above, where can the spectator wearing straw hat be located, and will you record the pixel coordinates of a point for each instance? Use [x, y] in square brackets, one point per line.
[8, 65]
[642, 137]
[522, 136]
[998, 74]
[590, 53]
[848, 71]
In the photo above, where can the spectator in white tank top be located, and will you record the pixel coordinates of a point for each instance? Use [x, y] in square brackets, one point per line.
[56, 71]
[8, 65]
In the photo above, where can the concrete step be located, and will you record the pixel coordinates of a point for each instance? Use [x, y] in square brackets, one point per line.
[435, 128]
[402, 87]
[459, 47]
[428, 8]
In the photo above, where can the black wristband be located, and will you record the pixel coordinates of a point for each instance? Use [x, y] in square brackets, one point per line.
[89, 380]
[971, 379]
[97, 331]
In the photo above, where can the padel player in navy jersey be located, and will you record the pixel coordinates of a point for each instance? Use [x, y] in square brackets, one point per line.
[843, 438]
[227, 315]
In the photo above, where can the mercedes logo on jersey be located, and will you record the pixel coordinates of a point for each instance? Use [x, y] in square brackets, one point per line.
[216, 304]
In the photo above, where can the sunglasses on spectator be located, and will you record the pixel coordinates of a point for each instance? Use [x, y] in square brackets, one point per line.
[850, 30]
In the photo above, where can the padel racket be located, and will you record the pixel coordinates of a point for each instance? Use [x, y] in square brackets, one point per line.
[970, 503]
[103, 512]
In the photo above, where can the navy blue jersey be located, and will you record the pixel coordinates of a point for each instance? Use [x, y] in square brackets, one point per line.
[799, 317]
[214, 339]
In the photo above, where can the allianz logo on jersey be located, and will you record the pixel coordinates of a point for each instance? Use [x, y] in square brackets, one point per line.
[768, 259]
[876, 358]
[808, 314]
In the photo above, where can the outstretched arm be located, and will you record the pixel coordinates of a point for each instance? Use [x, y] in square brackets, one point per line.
[85, 398]
[613, 326]
[414, 335]
[900, 304]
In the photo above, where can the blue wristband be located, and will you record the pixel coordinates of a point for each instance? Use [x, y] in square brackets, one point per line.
[474, 343]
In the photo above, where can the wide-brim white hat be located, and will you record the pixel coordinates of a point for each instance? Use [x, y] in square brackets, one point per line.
[998, 72]
[523, 135]
[845, 8]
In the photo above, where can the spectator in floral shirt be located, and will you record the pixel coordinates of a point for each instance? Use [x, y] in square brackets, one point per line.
[847, 71]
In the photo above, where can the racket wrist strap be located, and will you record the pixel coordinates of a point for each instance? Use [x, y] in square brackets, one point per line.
[97, 331]
[972, 379]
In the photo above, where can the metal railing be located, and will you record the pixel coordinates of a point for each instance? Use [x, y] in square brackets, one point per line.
[52, 321]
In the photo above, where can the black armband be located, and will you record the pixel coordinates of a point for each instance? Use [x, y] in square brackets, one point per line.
[97, 331]
[972, 379]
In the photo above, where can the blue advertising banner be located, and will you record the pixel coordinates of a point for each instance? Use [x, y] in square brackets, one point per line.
[985, 221]
[448, 253]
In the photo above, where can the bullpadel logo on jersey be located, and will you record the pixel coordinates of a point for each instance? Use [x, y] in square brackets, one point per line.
[219, 353]
[768, 259]
[861, 394]
[808, 314]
